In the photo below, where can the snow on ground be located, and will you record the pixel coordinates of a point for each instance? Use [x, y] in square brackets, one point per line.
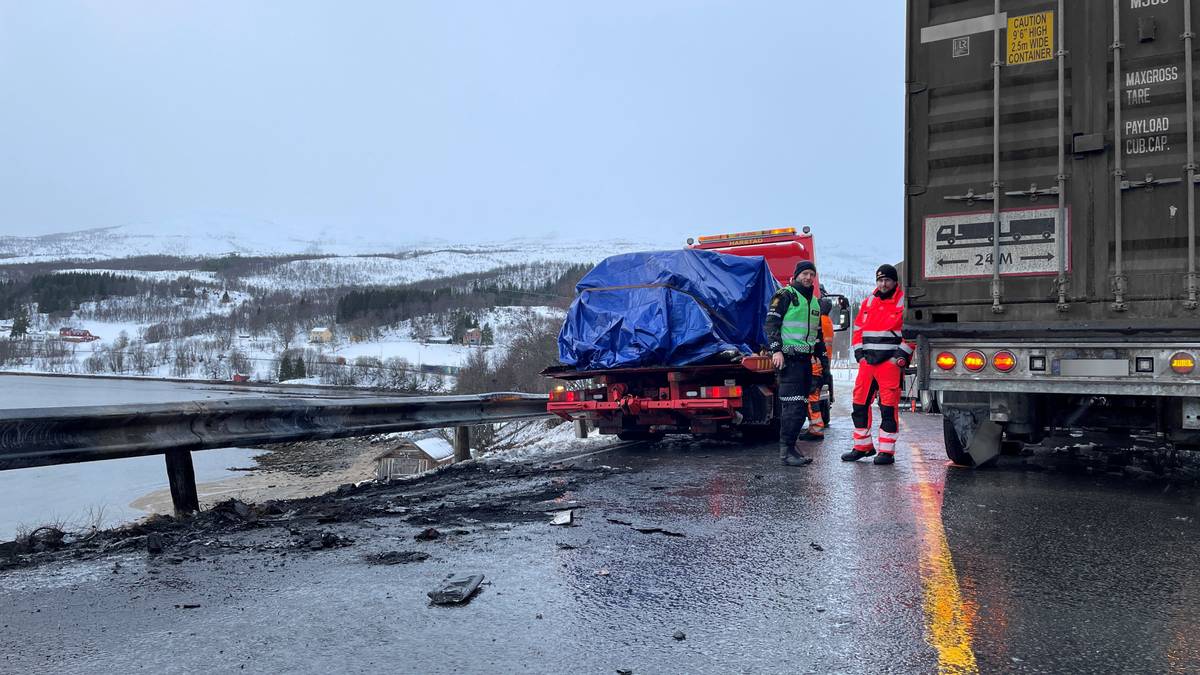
[522, 441]
[416, 353]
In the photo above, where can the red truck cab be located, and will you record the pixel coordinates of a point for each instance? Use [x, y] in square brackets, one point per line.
[782, 248]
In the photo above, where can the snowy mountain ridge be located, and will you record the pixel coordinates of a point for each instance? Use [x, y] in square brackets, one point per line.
[404, 261]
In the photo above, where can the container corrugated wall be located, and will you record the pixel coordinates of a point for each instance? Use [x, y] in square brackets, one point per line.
[1117, 246]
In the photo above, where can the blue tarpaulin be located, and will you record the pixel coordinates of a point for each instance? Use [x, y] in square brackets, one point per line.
[666, 308]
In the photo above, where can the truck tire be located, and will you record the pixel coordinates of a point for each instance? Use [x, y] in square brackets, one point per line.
[928, 401]
[954, 447]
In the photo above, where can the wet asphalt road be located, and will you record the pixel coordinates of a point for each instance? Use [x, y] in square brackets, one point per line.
[835, 567]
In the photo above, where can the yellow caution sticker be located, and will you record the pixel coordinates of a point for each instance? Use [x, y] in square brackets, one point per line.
[1030, 38]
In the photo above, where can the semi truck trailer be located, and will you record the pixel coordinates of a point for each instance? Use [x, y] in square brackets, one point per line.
[1050, 218]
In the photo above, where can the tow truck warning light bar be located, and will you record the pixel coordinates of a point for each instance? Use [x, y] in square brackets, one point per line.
[754, 237]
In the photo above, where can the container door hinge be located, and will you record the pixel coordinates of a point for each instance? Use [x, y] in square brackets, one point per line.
[1033, 192]
[1150, 183]
[971, 197]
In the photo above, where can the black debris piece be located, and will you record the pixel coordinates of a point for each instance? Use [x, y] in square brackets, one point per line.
[679, 635]
[317, 541]
[659, 530]
[815, 546]
[235, 511]
[458, 590]
[397, 557]
[428, 534]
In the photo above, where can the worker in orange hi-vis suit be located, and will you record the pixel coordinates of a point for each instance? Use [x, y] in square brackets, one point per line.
[820, 376]
[882, 353]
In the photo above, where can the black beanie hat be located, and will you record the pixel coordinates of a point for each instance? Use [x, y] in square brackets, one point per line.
[887, 271]
[804, 265]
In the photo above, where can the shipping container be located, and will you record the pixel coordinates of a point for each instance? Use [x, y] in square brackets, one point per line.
[1050, 223]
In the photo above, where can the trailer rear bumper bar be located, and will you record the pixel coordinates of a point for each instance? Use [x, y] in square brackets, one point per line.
[1107, 368]
[723, 407]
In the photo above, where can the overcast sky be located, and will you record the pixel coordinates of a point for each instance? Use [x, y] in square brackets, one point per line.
[464, 120]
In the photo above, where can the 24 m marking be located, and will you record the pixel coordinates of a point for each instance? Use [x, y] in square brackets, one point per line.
[980, 259]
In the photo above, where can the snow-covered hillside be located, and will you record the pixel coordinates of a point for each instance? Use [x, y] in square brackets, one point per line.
[352, 260]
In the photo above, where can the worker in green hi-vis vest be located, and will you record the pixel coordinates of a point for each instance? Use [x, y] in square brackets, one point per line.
[794, 338]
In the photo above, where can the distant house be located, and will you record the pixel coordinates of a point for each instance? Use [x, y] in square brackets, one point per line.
[408, 458]
[440, 339]
[473, 337]
[321, 334]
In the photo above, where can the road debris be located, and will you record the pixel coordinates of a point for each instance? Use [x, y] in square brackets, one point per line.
[154, 543]
[659, 530]
[397, 557]
[457, 590]
[322, 540]
[428, 534]
[680, 635]
[815, 546]
[563, 518]
[234, 511]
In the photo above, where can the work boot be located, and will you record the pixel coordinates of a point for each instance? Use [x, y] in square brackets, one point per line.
[815, 431]
[855, 455]
[789, 456]
[885, 458]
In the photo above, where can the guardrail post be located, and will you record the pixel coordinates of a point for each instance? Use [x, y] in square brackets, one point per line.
[462, 444]
[183, 482]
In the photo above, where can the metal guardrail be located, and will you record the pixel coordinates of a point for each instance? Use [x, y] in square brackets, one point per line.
[31, 438]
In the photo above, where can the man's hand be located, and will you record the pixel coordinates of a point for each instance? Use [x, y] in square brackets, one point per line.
[777, 360]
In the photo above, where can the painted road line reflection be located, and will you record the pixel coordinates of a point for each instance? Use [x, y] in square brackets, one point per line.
[949, 621]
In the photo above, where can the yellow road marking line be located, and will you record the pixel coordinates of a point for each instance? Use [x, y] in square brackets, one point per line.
[949, 622]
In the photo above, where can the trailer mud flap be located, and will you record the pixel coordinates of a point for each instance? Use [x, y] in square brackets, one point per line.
[979, 435]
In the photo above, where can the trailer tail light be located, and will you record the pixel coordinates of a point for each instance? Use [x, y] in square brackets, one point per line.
[974, 361]
[561, 395]
[946, 361]
[759, 363]
[721, 392]
[1183, 363]
[1004, 361]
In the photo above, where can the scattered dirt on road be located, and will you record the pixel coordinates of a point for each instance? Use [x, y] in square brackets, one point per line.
[452, 500]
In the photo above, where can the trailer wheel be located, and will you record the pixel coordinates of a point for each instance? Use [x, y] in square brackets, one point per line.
[928, 401]
[954, 447]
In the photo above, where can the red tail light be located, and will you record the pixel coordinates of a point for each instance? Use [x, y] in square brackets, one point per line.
[974, 361]
[721, 392]
[1004, 361]
[946, 361]
[564, 396]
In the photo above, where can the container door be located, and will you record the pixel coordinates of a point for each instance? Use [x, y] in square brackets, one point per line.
[1145, 256]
